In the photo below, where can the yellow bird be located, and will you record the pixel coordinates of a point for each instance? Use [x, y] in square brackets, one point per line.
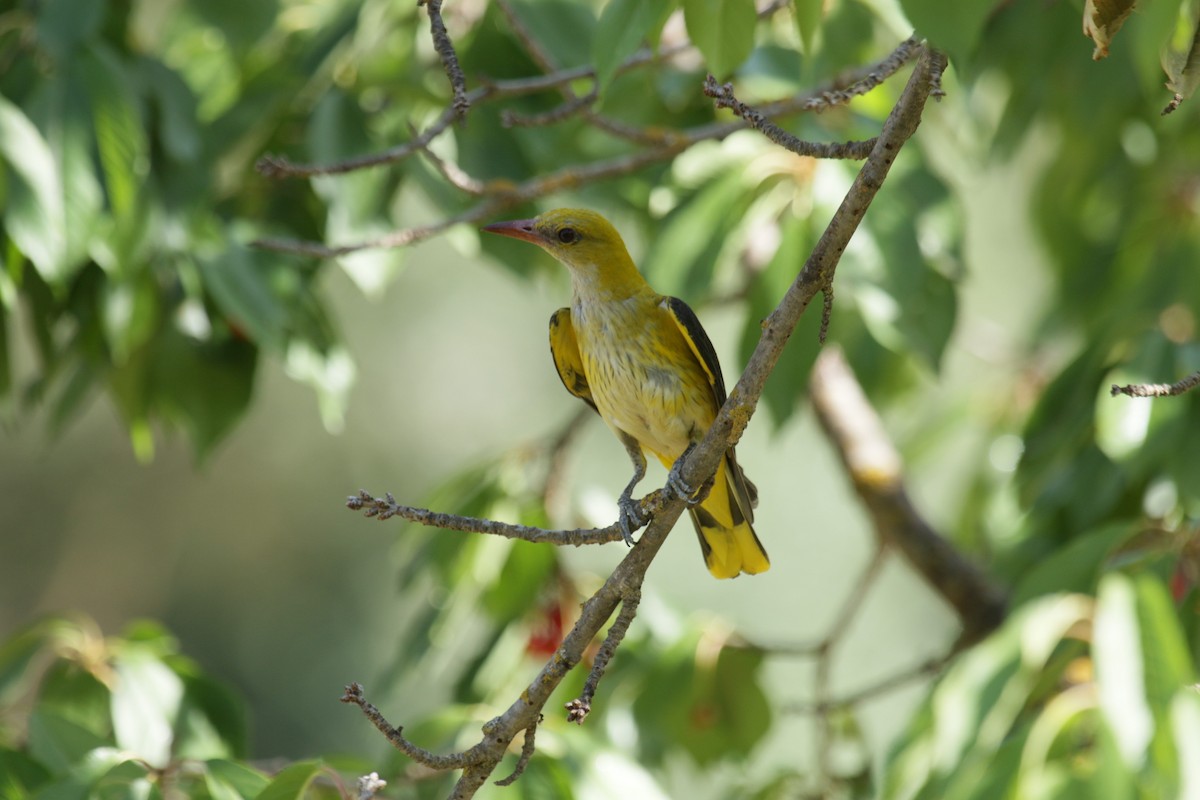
[645, 364]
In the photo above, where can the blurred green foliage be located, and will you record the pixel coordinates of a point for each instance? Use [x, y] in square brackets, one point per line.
[128, 133]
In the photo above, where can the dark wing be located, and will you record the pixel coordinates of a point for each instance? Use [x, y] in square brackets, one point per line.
[697, 339]
[688, 323]
[564, 347]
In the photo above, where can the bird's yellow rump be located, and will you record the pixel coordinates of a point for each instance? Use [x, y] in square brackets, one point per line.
[645, 364]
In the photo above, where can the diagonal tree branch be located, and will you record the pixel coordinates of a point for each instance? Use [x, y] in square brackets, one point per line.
[817, 273]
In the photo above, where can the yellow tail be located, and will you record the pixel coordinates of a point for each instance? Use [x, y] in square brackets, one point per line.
[722, 522]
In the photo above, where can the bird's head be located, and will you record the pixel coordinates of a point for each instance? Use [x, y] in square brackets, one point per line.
[582, 240]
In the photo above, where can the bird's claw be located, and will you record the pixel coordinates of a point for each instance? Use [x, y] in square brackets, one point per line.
[631, 517]
[678, 485]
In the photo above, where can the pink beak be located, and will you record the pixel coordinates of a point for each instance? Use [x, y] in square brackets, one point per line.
[517, 229]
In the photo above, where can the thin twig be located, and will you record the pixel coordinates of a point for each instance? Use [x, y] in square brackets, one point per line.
[725, 98]
[905, 52]
[455, 175]
[824, 671]
[527, 748]
[826, 312]
[445, 50]
[572, 107]
[280, 167]
[387, 507]
[354, 695]
[580, 707]
[1158, 389]
[509, 196]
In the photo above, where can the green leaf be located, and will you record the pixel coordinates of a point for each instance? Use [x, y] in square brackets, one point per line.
[565, 28]
[1185, 725]
[62, 25]
[514, 593]
[121, 141]
[546, 779]
[952, 27]
[1142, 662]
[786, 386]
[74, 693]
[20, 775]
[240, 282]
[975, 710]
[723, 30]
[809, 14]
[35, 215]
[710, 703]
[128, 780]
[58, 742]
[357, 203]
[130, 312]
[18, 651]
[907, 304]
[291, 782]
[176, 110]
[5, 358]
[684, 255]
[212, 717]
[230, 780]
[1120, 668]
[623, 26]
[1075, 567]
[145, 705]
[205, 387]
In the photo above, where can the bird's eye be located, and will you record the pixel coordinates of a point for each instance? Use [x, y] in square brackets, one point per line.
[568, 235]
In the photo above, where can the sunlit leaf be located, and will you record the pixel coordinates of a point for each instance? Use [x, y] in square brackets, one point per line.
[1142, 663]
[120, 133]
[145, 706]
[975, 710]
[35, 215]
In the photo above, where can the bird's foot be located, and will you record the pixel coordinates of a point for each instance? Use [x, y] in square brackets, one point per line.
[678, 485]
[631, 518]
